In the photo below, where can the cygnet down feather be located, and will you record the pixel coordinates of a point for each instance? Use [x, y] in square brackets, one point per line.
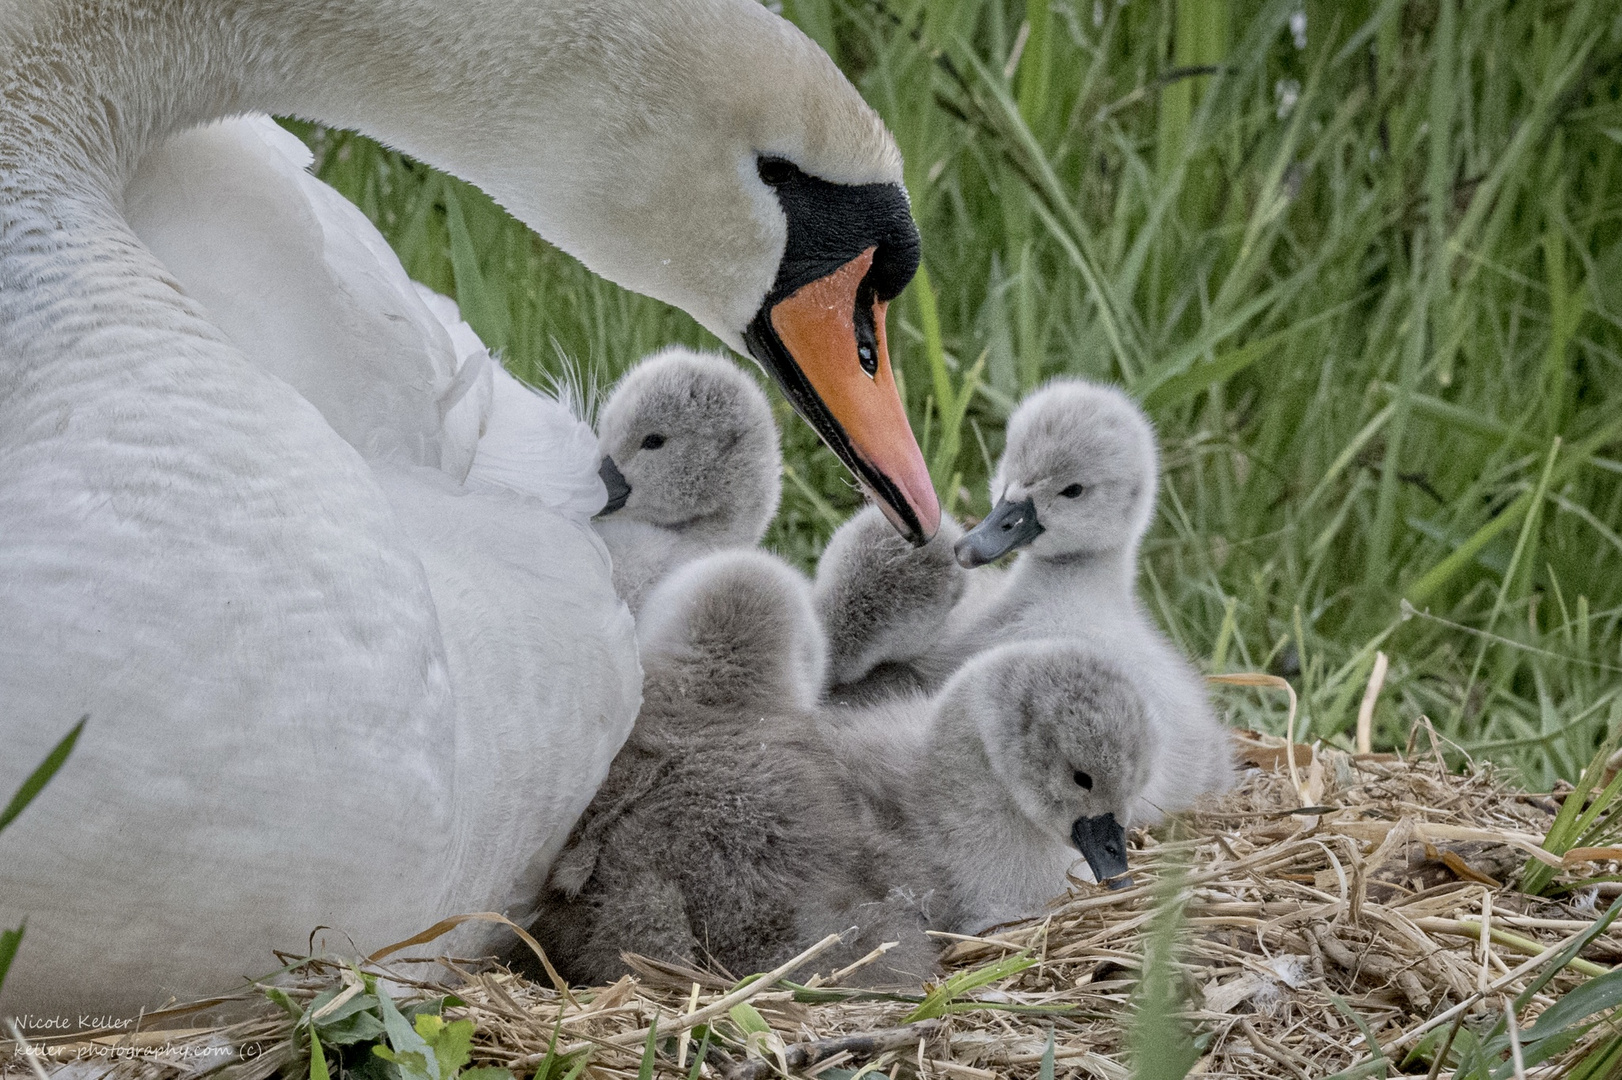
[723, 833]
[691, 459]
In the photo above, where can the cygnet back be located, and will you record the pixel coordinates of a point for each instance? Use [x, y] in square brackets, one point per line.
[692, 463]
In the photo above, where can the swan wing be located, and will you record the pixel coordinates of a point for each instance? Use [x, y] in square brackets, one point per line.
[300, 281]
[542, 657]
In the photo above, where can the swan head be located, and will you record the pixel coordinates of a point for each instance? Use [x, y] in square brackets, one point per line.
[1067, 738]
[1077, 478]
[687, 438]
[734, 630]
[710, 155]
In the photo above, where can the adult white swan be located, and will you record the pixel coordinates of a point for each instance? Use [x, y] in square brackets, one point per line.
[327, 683]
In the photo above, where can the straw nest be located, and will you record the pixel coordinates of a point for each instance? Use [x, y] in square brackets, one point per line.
[1384, 883]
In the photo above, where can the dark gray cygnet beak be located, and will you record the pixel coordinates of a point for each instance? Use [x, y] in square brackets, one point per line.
[618, 488]
[1103, 842]
[1010, 525]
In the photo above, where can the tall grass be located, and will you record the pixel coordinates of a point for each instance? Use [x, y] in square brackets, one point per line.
[1368, 283]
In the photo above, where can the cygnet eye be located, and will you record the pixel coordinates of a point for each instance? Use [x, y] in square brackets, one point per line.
[653, 442]
[1074, 492]
[1083, 780]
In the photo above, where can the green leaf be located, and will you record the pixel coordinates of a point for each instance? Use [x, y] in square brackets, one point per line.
[963, 982]
[318, 1059]
[578, 1067]
[1564, 956]
[452, 1042]
[748, 1018]
[487, 1072]
[356, 1028]
[649, 1052]
[413, 1064]
[1576, 1005]
[10, 940]
[351, 1006]
[1511, 516]
[279, 996]
[42, 775]
[1604, 1061]
[698, 1059]
[1046, 1071]
[482, 306]
[410, 1052]
[1160, 1044]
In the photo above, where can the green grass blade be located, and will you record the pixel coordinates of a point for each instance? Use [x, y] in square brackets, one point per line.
[42, 775]
[964, 982]
[318, 1059]
[650, 1052]
[10, 942]
[1512, 515]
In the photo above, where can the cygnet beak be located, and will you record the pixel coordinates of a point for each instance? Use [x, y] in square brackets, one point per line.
[619, 489]
[1103, 842]
[825, 345]
[1010, 525]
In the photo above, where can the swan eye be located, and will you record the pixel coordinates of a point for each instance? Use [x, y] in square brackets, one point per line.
[653, 442]
[1074, 491]
[865, 322]
[1083, 781]
[776, 171]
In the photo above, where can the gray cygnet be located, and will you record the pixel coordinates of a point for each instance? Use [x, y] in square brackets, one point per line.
[692, 465]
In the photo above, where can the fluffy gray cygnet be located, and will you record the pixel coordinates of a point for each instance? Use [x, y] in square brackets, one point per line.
[1074, 493]
[725, 831]
[882, 603]
[1026, 768]
[692, 464]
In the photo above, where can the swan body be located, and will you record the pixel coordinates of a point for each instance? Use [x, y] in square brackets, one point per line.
[339, 670]
[690, 446]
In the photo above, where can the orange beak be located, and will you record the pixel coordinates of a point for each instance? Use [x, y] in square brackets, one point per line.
[839, 379]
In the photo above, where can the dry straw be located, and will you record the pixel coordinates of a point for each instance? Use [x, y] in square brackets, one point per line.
[1382, 909]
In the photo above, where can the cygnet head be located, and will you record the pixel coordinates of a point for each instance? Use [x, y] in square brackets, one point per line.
[1077, 478]
[734, 630]
[688, 440]
[1067, 737]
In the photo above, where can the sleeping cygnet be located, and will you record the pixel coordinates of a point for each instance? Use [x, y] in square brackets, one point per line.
[692, 465]
[883, 604]
[1034, 765]
[1074, 493]
[722, 833]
